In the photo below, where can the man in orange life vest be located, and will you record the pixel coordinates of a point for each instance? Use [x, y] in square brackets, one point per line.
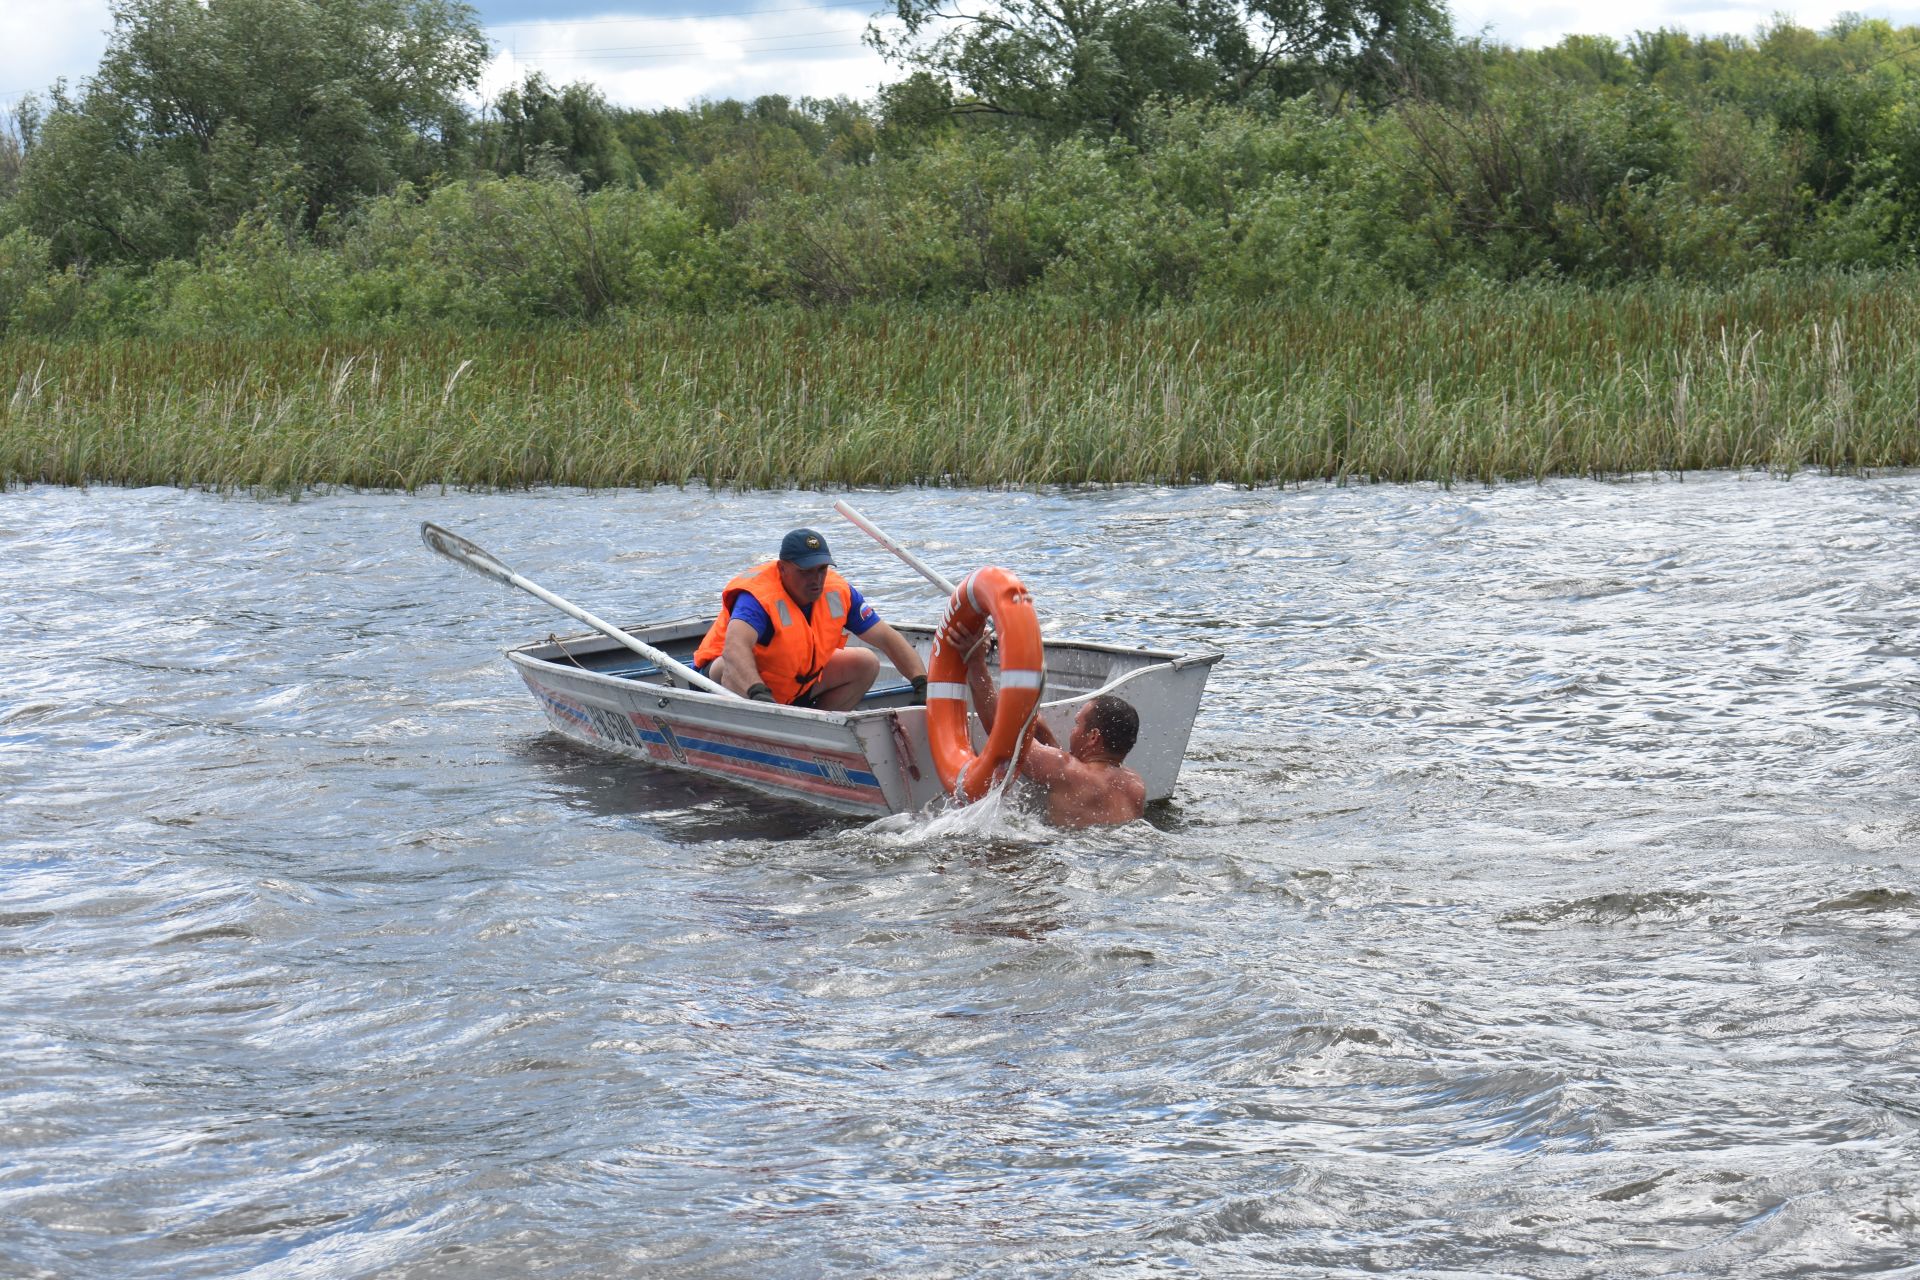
[782, 634]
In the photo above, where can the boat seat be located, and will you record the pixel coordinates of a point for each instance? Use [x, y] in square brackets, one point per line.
[880, 691]
[641, 669]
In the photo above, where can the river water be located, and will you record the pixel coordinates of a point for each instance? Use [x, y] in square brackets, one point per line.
[1539, 899]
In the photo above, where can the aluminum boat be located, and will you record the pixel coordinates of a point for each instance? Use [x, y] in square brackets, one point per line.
[870, 761]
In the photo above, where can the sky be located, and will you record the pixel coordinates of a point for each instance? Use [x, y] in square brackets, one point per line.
[654, 53]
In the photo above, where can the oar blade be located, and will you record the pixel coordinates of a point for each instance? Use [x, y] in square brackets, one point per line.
[470, 555]
[466, 554]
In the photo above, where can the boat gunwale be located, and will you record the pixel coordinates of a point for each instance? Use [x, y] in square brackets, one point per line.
[1171, 659]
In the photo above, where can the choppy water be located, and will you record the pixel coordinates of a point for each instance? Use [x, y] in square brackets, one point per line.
[1540, 899]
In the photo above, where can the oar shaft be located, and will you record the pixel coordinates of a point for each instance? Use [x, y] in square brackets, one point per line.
[606, 628]
[879, 535]
[470, 555]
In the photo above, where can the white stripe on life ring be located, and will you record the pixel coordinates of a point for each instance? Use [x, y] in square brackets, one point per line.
[1022, 679]
[952, 692]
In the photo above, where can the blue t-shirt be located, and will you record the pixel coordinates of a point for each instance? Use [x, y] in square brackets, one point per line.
[860, 614]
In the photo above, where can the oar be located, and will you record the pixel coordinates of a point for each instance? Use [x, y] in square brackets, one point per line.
[470, 556]
[879, 535]
[926, 571]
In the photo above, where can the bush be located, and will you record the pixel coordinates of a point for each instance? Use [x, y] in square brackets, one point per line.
[25, 260]
[518, 249]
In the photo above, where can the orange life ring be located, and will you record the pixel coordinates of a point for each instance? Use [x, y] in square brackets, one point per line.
[996, 593]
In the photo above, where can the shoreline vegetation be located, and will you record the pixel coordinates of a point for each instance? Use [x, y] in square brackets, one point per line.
[278, 245]
[1531, 381]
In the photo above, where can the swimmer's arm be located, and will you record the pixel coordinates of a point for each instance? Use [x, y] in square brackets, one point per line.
[986, 700]
[1046, 765]
[980, 684]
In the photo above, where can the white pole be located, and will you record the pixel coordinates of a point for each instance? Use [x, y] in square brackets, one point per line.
[470, 555]
[878, 535]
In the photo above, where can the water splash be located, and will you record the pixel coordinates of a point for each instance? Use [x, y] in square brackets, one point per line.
[999, 816]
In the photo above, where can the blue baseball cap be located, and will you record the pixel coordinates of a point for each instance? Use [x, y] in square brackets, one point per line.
[805, 549]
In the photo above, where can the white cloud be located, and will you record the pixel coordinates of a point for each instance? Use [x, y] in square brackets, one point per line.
[1515, 22]
[660, 62]
[654, 62]
[43, 40]
[642, 62]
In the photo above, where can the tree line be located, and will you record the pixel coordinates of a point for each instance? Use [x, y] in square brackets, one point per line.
[261, 165]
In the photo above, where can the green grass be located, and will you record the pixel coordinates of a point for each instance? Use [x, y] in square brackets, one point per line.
[1535, 382]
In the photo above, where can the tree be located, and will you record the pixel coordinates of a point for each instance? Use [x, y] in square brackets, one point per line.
[202, 110]
[573, 128]
[17, 129]
[1079, 63]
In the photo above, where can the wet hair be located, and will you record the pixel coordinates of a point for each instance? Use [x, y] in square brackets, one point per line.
[1117, 723]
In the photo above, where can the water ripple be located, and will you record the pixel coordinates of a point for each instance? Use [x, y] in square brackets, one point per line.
[1538, 900]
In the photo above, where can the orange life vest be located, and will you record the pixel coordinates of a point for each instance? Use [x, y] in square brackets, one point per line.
[794, 656]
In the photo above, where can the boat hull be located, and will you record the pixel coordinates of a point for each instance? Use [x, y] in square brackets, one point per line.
[869, 762]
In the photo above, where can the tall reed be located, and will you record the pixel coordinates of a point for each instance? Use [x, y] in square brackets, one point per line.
[1774, 373]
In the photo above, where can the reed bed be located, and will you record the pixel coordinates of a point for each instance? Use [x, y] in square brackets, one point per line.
[1538, 382]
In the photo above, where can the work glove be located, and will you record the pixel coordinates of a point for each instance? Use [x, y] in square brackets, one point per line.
[760, 693]
[919, 690]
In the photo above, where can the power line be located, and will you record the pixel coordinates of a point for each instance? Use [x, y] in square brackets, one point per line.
[646, 57]
[685, 44]
[688, 17]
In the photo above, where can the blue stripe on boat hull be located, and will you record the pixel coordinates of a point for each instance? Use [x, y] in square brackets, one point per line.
[724, 750]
